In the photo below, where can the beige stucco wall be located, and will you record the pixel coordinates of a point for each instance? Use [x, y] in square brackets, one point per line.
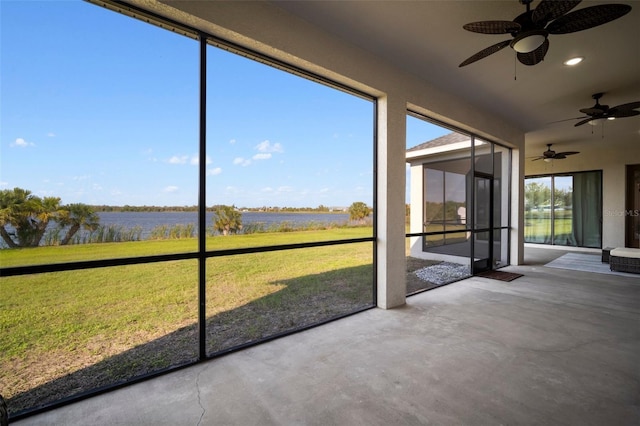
[269, 30]
[599, 156]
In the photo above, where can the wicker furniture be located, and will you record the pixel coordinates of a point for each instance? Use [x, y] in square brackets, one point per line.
[606, 252]
[625, 260]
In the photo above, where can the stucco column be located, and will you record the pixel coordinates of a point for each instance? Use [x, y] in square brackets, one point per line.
[390, 246]
[517, 207]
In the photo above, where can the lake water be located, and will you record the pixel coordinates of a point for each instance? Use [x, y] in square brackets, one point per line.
[147, 221]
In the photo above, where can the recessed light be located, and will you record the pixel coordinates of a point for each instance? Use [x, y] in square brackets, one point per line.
[574, 61]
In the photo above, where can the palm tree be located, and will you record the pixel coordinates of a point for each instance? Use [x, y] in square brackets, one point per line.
[28, 214]
[43, 211]
[359, 211]
[7, 200]
[227, 220]
[77, 216]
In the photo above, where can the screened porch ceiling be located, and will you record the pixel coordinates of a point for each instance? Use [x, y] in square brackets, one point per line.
[426, 38]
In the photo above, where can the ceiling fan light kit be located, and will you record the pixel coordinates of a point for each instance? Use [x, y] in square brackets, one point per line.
[531, 29]
[528, 41]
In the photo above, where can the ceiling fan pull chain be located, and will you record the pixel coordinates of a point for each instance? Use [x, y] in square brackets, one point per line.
[515, 67]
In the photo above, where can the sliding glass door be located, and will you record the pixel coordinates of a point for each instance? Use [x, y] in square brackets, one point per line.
[564, 209]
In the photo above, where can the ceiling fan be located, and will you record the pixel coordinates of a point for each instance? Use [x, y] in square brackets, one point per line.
[549, 155]
[599, 112]
[531, 29]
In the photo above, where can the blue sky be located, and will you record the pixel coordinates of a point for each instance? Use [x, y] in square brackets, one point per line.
[100, 108]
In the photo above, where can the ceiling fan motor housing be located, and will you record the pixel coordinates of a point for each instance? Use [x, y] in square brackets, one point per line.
[530, 36]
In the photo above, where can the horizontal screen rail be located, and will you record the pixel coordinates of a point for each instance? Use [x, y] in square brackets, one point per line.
[457, 231]
[104, 263]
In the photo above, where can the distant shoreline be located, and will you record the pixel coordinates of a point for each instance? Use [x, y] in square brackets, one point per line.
[177, 209]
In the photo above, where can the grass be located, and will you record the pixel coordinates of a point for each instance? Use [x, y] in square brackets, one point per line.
[538, 226]
[69, 332]
[82, 252]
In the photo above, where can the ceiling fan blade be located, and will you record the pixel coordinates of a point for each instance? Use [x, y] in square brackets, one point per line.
[559, 157]
[623, 113]
[594, 110]
[492, 27]
[588, 17]
[538, 158]
[624, 107]
[485, 52]
[585, 121]
[536, 56]
[564, 154]
[567, 119]
[548, 10]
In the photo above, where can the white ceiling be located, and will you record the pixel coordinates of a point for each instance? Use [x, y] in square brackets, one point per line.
[426, 38]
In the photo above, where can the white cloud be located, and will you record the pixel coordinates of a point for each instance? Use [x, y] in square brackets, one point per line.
[170, 188]
[214, 172]
[178, 160]
[266, 146]
[267, 189]
[51, 135]
[3, 183]
[261, 156]
[241, 161]
[323, 190]
[232, 142]
[285, 189]
[20, 142]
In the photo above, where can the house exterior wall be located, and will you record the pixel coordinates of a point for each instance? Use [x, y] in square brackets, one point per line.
[613, 165]
[266, 29]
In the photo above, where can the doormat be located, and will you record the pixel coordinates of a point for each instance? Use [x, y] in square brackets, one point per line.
[499, 275]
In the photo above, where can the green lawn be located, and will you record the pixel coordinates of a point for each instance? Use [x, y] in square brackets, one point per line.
[537, 226]
[61, 254]
[67, 332]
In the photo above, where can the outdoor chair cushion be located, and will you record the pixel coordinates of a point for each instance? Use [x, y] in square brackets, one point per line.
[625, 260]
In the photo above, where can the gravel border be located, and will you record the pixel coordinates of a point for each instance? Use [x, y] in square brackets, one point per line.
[443, 273]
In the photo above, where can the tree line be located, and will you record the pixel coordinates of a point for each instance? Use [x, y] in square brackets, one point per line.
[127, 208]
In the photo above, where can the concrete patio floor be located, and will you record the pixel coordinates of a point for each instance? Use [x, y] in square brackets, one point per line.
[553, 347]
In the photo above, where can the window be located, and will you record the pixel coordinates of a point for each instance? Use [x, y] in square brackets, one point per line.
[564, 209]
